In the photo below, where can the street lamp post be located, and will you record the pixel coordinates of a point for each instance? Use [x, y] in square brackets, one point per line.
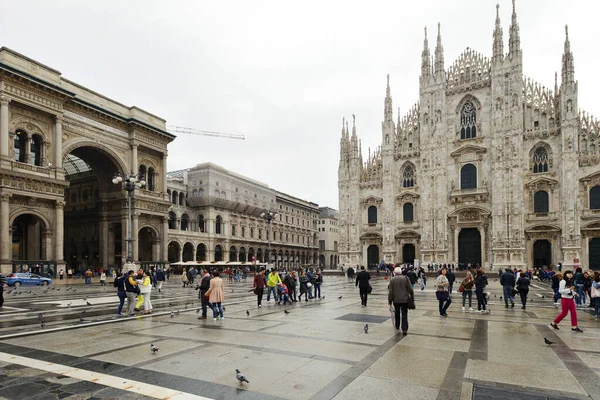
[268, 216]
[132, 182]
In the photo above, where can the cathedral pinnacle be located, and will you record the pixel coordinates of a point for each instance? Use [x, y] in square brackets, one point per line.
[568, 66]
[439, 53]
[514, 42]
[387, 111]
[425, 63]
[498, 47]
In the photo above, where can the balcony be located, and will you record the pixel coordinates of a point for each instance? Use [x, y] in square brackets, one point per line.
[368, 228]
[590, 214]
[548, 216]
[475, 195]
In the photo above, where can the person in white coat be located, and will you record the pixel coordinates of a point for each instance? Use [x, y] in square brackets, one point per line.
[145, 290]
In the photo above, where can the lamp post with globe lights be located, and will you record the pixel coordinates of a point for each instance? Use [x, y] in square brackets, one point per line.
[268, 215]
[131, 183]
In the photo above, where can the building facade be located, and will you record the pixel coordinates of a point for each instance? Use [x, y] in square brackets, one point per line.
[215, 215]
[488, 167]
[328, 237]
[60, 145]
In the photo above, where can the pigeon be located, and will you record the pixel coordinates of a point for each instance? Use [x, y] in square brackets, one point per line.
[69, 288]
[153, 348]
[81, 316]
[500, 297]
[29, 291]
[42, 325]
[57, 289]
[286, 311]
[69, 304]
[240, 377]
[45, 291]
[172, 314]
[224, 309]
[88, 303]
[40, 316]
[186, 306]
[548, 342]
[247, 313]
[530, 300]
[76, 290]
[14, 294]
[543, 297]
[339, 298]
[366, 328]
[171, 303]
[53, 288]
[495, 295]
[198, 311]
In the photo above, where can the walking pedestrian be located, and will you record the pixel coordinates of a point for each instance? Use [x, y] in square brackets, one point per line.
[567, 292]
[272, 282]
[160, 279]
[507, 280]
[202, 289]
[216, 295]
[303, 286]
[523, 288]
[119, 283]
[399, 292]
[259, 286]
[467, 291]
[480, 282]
[103, 278]
[362, 281]
[451, 278]
[442, 292]
[88, 276]
[596, 294]
[61, 274]
[578, 281]
[318, 280]
[145, 291]
[131, 290]
[184, 278]
[290, 282]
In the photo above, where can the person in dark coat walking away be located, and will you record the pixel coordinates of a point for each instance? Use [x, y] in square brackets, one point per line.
[290, 282]
[202, 289]
[160, 278]
[523, 288]
[362, 281]
[451, 278]
[507, 280]
[399, 291]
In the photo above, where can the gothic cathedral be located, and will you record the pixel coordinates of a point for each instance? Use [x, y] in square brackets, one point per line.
[489, 168]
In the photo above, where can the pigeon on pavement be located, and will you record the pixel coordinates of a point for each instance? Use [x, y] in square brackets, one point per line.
[339, 298]
[240, 377]
[42, 325]
[88, 303]
[172, 314]
[69, 288]
[198, 311]
[153, 348]
[366, 328]
[286, 311]
[548, 342]
[247, 313]
[40, 316]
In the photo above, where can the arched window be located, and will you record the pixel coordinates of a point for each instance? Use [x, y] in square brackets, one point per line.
[185, 221]
[142, 173]
[201, 223]
[408, 177]
[194, 193]
[540, 202]
[408, 212]
[372, 215]
[20, 143]
[200, 192]
[35, 150]
[468, 177]
[242, 254]
[540, 160]
[252, 232]
[468, 121]
[232, 254]
[223, 195]
[181, 199]
[232, 230]
[595, 198]
[174, 197]
[218, 224]
[150, 182]
[172, 220]
[218, 253]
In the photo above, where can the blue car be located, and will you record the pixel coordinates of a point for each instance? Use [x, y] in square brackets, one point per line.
[25, 278]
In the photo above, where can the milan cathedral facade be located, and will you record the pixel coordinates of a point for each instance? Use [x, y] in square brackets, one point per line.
[488, 167]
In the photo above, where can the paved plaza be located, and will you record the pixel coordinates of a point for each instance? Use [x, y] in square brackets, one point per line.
[316, 351]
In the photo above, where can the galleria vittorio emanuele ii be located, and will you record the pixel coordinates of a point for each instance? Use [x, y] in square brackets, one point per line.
[489, 167]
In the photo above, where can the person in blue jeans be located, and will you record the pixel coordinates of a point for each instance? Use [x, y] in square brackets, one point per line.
[318, 280]
[596, 294]
[120, 285]
[578, 280]
[507, 280]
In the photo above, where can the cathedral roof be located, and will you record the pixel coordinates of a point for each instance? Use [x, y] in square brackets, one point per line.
[470, 71]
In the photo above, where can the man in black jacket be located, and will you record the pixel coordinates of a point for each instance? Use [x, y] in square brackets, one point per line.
[507, 280]
[203, 288]
[451, 278]
[362, 281]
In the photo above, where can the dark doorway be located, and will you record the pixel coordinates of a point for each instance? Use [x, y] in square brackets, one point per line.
[372, 256]
[469, 246]
[542, 253]
[594, 251]
[408, 254]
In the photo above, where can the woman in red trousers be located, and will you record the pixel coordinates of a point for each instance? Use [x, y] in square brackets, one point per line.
[566, 288]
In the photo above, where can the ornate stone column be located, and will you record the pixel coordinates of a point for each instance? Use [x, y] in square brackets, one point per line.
[164, 175]
[47, 245]
[59, 233]
[58, 157]
[4, 127]
[483, 246]
[134, 162]
[5, 234]
[181, 254]
[456, 234]
[123, 239]
[164, 239]
[135, 235]
[103, 241]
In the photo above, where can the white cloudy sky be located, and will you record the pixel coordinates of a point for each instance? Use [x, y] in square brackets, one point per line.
[282, 73]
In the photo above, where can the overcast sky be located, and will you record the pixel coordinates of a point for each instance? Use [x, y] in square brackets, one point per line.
[283, 73]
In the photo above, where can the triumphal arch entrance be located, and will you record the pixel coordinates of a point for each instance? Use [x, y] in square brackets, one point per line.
[60, 146]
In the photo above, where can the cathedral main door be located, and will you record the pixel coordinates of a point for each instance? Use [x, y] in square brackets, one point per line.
[594, 252]
[408, 253]
[372, 256]
[469, 246]
[542, 253]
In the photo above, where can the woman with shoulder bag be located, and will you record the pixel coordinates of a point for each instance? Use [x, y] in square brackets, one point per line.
[480, 282]
[596, 294]
[567, 292]
[467, 291]
[442, 293]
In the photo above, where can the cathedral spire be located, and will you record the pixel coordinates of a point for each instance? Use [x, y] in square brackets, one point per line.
[555, 83]
[514, 42]
[439, 53]
[498, 48]
[425, 63]
[568, 66]
[344, 137]
[388, 114]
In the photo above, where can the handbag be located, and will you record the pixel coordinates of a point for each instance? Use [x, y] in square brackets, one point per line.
[442, 295]
[595, 293]
[410, 303]
[369, 289]
[309, 285]
[461, 288]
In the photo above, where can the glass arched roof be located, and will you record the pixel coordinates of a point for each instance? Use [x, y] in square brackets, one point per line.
[75, 165]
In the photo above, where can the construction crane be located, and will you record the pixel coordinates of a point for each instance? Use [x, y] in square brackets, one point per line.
[192, 131]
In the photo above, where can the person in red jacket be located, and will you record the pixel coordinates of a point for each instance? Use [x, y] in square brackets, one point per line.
[259, 286]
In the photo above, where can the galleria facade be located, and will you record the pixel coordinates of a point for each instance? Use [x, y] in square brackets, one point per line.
[489, 167]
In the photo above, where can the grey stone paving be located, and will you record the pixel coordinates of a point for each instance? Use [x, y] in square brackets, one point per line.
[318, 350]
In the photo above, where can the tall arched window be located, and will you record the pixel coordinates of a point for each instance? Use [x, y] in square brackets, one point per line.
[408, 212]
[201, 222]
[232, 230]
[408, 177]
[218, 224]
[540, 160]
[19, 145]
[174, 197]
[218, 253]
[468, 121]
[181, 199]
[35, 150]
[172, 221]
[540, 202]
[468, 177]
[595, 198]
[142, 172]
[232, 254]
[150, 182]
[200, 192]
[185, 221]
[372, 215]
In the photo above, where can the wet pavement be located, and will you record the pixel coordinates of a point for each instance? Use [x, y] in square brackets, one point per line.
[318, 350]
